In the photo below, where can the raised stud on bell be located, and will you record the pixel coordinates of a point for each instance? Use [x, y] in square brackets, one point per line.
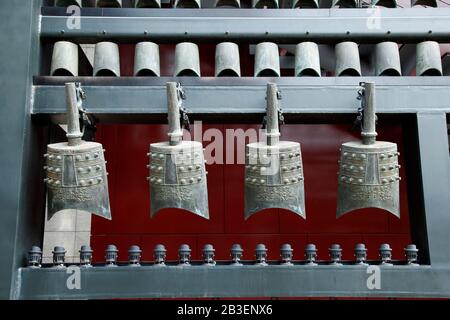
[111, 254]
[267, 60]
[208, 255]
[428, 59]
[34, 257]
[227, 60]
[307, 60]
[311, 254]
[387, 59]
[187, 60]
[261, 254]
[335, 252]
[236, 253]
[64, 59]
[347, 59]
[134, 256]
[261, 4]
[106, 60]
[146, 60]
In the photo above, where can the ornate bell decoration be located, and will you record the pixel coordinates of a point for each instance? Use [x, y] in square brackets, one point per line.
[369, 170]
[273, 171]
[76, 170]
[177, 167]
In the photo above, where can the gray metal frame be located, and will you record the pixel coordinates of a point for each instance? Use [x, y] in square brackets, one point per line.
[421, 103]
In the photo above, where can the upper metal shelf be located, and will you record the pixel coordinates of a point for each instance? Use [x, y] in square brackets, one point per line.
[249, 25]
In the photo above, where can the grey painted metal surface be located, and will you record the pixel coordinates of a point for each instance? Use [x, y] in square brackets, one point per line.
[146, 59]
[187, 60]
[21, 194]
[236, 281]
[247, 95]
[325, 25]
[106, 60]
[347, 59]
[64, 59]
[227, 62]
[307, 59]
[387, 59]
[428, 59]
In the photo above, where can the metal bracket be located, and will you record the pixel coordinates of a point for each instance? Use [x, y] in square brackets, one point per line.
[88, 122]
[360, 117]
[183, 111]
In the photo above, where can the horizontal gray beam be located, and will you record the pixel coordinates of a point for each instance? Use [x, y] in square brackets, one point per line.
[230, 281]
[240, 96]
[251, 25]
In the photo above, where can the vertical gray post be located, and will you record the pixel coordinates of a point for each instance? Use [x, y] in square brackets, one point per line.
[272, 129]
[73, 123]
[435, 167]
[173, 104]
[368, 132]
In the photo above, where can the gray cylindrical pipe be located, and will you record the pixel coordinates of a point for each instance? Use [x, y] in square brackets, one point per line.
[227, 60]
[347, 59]
[106, 59]
[272, 127]
[188, 4]
[187, 60]
[265, 3]
[73, 123]
[369, 133]
[173, 105]
[387, 59]
[67, 3]
[428, 59]
[64, 59]
[267, 60]
[146, 59]
[312, 4]
[307, 59]
[228, 3]
[108, 3]
[147, 4]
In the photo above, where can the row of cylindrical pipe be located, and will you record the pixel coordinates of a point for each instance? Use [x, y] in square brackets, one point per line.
[259, 4]
[227, 61]
[208, 253]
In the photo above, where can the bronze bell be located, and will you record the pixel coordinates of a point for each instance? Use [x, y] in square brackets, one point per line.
[274, 171]
[369, 170]
[177, 167]
[76, 170]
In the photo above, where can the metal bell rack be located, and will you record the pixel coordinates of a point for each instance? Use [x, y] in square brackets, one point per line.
[29, 104]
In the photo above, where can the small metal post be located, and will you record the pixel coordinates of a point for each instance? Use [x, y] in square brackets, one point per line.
[86, 256]
[134, 256]
[411, 253]
[59, 257]
[385, 254]
[236, 253]
[368, 133]
[111, 255]
[335, 254]
[159, 254]
[34, 257]
[261, 254]
[208, 255]
[73, 119]
[184, 253]
[311, 254]
[361, 254]
[286, 254]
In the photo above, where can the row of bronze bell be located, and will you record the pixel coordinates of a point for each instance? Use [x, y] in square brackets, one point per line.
[227, 61]
[237, 3]
[368, 176]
